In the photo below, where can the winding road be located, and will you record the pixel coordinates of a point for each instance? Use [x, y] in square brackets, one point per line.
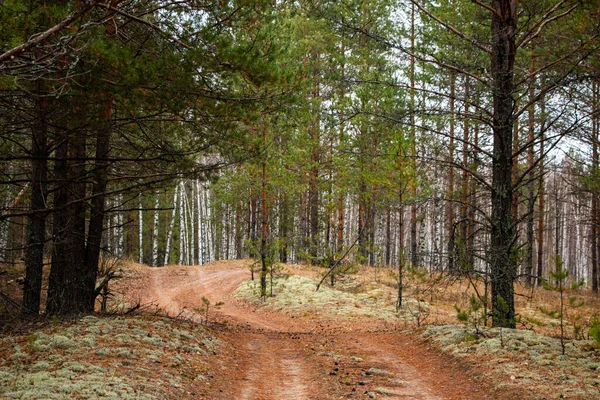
[273, 355]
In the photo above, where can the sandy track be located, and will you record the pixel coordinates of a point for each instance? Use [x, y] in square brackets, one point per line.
[280, 357]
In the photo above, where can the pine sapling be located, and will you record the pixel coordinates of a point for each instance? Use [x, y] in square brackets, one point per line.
[560, 276]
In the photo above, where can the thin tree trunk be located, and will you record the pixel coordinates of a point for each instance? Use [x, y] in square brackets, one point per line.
[464, 201]
[450, 209]
[36, 224]
[171, 226]
[199, 222]
[473, 196]
[192, 216]
[541, 214]
[54, 300]
[238, 233]
[341, 194]
[265, 221]
[388, 235]
[530, 185]
[313, 191]
[97, 212]
[75, 282]
[155, 223]
[414, 255]
[140, 229]
[283, 228]
[181, 213]
[595, 171]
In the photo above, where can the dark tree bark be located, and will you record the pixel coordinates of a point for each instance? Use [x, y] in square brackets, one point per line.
[76, 236]
[313, 188]
[388, 235]
[92, 251]
[541, 216]
[464, 197]
[264, 221]
[530, 187]
[36, 224]
[66, 281]
[56, 291]
[450, 206]
[238, 232]
[595, 170]
[503, 257]
[414, 255]
[283, 227]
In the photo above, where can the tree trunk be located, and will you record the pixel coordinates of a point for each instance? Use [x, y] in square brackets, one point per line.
[464, 200]
[171, 226]
[66, 281]
[414, 255]
[36, 224]
[503, 254]
[541, 215]
[75, 281]
[60, 226]
[155, 223]
[530, 185]
[450, 209]
[92, 251]
[341, 195]
[313, 189]
[141, 228]
[283, 227]
[596, 174]
[265, 221]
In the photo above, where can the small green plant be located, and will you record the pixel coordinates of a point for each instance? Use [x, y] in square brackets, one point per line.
[206, 307]
[594, 331]
[252, 268]
[560, 276]
[474, 315]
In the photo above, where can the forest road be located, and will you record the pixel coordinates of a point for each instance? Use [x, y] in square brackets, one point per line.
[272, 355]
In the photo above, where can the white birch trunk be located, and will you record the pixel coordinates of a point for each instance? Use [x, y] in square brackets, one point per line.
[120, 230]
[171, 226]
[181, 223]
[3, 238]
[209, 238]
[193, 225]
[140, 229]
[155, 232]
[200, 237]
[185, 213]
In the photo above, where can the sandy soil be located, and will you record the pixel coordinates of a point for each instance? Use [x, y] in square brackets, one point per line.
[272, 355]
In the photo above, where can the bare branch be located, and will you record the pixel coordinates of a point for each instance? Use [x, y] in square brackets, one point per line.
[41, 37]
[451, 28]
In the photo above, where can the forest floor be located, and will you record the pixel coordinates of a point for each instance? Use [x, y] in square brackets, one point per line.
[345, 341]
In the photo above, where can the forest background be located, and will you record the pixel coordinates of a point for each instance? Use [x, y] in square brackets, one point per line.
[458, 137]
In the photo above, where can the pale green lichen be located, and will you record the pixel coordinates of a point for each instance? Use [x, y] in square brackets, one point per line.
[59, 370]
[346, 299]
[522, 356]
[380, 372]
[383, 391]
[61, 342]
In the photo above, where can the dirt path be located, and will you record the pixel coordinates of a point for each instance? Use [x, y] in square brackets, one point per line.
[276, 356]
